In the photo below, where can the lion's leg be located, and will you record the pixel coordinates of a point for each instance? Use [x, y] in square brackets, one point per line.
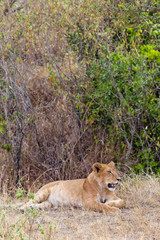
[42, 195]
[32, 204]
[98, 207]
[116, 202]
[42, 205]
[40, 201]
[27, 205]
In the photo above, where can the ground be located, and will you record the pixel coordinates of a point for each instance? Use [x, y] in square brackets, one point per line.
[138, 220]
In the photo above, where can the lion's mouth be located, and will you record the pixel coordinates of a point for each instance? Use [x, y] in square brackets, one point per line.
[111, 186]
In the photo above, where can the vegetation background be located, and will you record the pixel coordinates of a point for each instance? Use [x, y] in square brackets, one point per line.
[79, 83]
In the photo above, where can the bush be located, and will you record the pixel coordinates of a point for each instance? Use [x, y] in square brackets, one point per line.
[124, 99]
[79, 83]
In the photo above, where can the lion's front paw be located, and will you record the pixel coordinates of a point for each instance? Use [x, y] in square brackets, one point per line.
[115, 203]
[113, 209]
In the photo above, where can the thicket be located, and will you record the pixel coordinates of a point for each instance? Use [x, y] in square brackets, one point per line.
[79, 83]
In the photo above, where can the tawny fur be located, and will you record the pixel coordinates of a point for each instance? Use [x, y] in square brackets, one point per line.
[96, 192]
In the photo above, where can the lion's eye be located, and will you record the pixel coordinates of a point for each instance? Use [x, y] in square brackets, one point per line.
[110, 172]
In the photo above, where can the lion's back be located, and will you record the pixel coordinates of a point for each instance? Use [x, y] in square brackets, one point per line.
[64, 193]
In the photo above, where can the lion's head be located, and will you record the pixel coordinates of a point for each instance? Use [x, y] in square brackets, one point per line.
[106, 175]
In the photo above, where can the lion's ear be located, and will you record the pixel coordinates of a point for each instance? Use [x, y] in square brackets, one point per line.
[111, 164]
[97, 167]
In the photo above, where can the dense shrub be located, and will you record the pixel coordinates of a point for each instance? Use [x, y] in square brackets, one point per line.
[79, 83]
[124, 98]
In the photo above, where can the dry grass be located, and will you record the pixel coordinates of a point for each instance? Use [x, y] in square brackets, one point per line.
[139, 219]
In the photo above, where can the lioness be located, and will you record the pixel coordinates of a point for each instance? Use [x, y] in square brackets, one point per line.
[96, 192]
